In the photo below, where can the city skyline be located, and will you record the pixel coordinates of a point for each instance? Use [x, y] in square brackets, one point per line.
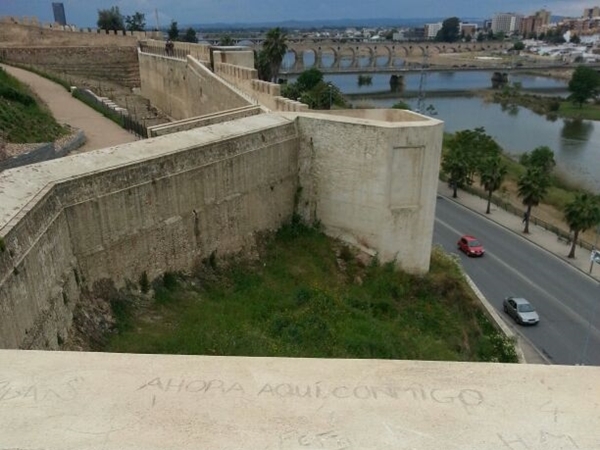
[84, 13]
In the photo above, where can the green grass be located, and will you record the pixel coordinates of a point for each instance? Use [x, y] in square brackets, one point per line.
[587, 111]
[22, 119]
[299, 301]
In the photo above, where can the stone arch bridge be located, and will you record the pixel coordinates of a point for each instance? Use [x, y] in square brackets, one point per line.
[373, 51]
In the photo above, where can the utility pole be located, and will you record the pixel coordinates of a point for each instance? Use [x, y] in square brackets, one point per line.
[422, 80]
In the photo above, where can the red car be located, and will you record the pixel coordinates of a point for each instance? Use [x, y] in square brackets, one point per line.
[471, 246]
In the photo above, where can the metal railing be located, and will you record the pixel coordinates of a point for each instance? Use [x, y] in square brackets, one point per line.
[120, 118]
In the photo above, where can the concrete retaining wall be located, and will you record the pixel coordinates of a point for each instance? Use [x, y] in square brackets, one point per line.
[186, 88]
[152, 205]
[45, 152]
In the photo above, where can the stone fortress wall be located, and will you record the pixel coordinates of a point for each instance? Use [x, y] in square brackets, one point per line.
[99, 56]
[159, 204]
[148, 206]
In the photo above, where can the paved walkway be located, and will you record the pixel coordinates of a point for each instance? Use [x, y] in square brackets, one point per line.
[99, 131]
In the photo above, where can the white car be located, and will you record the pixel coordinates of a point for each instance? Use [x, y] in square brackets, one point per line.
[521, 310]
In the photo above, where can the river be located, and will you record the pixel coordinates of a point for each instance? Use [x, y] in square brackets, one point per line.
[576, 143]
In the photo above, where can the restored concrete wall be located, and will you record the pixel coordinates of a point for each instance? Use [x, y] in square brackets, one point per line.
[151, 205]
[186, 88]
[373, 183]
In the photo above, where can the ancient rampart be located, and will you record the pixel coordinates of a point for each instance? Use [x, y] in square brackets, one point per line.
[18, 34]
[371, 180]
[115, 64]
[264, 92]
[152, 206]
[184, 88]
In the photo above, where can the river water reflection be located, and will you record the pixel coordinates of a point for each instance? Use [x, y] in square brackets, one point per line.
[576, 144]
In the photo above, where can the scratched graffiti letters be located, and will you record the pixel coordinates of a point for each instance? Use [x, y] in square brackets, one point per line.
[39, 392]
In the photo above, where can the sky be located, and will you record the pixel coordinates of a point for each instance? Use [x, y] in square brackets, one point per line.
[84, 13]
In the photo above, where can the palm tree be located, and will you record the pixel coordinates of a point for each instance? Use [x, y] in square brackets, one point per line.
[532, 188]
[491, 176]
[455, 166]
[275, 48]
[582, 213]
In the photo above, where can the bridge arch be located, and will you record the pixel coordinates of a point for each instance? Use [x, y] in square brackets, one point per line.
[342, 53]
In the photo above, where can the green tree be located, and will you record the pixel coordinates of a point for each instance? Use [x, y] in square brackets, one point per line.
[532, 188]
[110, 19]
[308, 79]
[262, 65]
[584, 84]
[226, 41]
[581, 214]
[466, 150]
[137, 22]
[491, 175]
[450, 30]
[575, 39]
[401, 105]
[480, 37]
[173, 31]
[541, 158]
[519, 46]
[455, 166]
[190, 36]
[275, 48]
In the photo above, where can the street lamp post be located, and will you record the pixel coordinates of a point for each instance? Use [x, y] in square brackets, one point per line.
[594, 253]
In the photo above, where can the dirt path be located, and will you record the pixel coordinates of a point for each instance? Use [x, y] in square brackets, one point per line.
[99, 131]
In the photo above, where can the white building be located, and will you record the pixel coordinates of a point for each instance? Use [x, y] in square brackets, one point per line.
[507, 23]
[431, 30]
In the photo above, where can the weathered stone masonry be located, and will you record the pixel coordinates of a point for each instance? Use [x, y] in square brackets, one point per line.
[151, 206]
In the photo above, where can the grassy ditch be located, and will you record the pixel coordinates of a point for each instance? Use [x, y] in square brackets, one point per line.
[311, 296]
[22, 118]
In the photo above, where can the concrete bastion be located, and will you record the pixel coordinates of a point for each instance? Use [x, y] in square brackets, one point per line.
[163, 203]
[101, 401]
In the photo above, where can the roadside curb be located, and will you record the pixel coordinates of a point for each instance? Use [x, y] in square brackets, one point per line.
[492, 314]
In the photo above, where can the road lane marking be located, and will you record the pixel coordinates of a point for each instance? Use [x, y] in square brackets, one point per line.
[572, 314]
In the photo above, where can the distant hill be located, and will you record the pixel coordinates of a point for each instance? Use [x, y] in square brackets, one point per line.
[337, 23]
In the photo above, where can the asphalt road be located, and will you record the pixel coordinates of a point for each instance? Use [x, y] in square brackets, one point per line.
[567, 301]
